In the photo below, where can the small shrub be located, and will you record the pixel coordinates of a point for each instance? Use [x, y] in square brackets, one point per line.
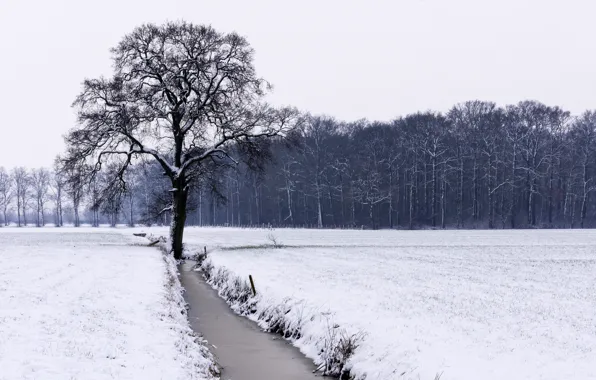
[338, 348]
[275, 243]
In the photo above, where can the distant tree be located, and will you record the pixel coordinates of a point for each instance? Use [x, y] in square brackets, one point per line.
[40, 180]
[57, 185]
[317, 160]
[94, 200]
[583, 137]
[154, 196]
[370, 189]
[183, 95]
[75, 176]
[6, 193]
[22, 184]
[130, 192]
[110, 188]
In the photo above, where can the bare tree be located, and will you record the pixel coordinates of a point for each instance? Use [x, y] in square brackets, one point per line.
[111, 194]
[132, 185]
[57, 189]
[57, 184]
[182, 94]
[40, 180]
[6, 193]
[370, 189]
[94, 200]
[22, 182]
[583, 134]
[317, 162]
[74, 182]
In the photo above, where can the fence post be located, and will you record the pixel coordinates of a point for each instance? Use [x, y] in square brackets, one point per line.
[252, 285]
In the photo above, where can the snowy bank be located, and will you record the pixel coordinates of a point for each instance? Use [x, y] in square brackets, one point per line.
[313, 331]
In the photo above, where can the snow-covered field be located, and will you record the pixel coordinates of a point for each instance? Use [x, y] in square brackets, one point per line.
[467, 305]
[89, 304]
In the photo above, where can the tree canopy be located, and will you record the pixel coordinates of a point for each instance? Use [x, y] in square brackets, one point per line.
[182, 94]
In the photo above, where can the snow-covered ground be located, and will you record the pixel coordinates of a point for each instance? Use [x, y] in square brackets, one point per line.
[89, 304]
[467, 305]
[238, 237]
[85, 303]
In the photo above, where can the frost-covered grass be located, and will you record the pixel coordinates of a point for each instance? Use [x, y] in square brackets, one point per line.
[467, 305]
[89, 304]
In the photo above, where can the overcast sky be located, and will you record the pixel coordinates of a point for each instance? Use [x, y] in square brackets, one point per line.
[349, 59]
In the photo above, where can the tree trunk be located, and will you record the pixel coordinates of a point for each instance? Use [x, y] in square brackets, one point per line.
[425, 198]
[415, 194]
[214, 210]
[76, 215]
[18, 210]
[239, 221]
[24, 212]
[530, 205]
[490, 194]
[289, 195]
[512, 205]
[390, 197]
[566, 203]
[411, 222]
[229, 205]
[200, 208]
[573, 211]
[131, 203]
[319, 207]
[583, 209]
[550, 193]
[397, 198]
[258, 205]
[502, 202]
[343, 208]
[443, 200]
[460, 198]
[433, 206]
[59, 205]
[353, 204]
[475, 192]
[331, 213]
[533, 204]
[179, 198]
[37, 220]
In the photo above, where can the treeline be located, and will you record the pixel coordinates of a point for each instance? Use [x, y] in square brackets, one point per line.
[42, 196]
[477, 166]
[25, 196]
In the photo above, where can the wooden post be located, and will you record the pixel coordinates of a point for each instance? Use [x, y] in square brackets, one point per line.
[252, 285]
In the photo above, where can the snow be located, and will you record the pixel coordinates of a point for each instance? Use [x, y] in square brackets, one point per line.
[236, 237]
[92, 304]
[465, 305]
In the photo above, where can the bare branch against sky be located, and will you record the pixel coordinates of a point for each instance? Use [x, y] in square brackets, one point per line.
[349, 59]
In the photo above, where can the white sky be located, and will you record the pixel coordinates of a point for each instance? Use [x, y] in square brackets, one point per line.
[349, 59]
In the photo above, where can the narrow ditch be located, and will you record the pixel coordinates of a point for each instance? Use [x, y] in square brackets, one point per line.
[242, 350]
